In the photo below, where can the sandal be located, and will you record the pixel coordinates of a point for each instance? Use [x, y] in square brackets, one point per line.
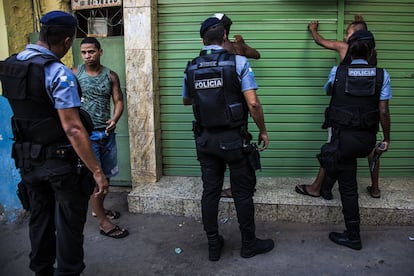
[372, 194]
[303, 190]
[110, 214]
[116, 233]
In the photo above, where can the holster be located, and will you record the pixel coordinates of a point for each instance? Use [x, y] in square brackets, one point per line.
[23, 196]
[253, 154]
[329, 156]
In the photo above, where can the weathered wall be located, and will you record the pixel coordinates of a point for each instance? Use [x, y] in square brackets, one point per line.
[21, 20]
[19, 23]
[4, 48]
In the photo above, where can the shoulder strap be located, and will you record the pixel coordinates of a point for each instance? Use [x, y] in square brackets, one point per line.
[379, 81]
[14, 72]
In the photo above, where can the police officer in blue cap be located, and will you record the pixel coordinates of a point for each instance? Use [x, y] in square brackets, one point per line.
[222, 90]
[52, 149]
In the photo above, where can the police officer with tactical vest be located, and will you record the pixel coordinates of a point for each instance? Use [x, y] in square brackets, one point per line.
[359, 102]
[52, 149]
[222, 90]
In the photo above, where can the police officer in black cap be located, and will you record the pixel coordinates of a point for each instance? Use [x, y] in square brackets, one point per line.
[222, 90]
[52, 149]
[359, 102]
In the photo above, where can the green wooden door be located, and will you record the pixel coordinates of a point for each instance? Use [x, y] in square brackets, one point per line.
[290, 74]
[114, 58]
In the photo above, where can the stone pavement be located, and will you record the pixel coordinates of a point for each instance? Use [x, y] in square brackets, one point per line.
[150, 249]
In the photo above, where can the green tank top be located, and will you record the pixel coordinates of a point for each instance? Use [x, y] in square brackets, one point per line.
[96, 95]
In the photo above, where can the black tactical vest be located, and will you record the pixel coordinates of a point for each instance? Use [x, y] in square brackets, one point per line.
[216, 90]
[355, 98]
[35, 118]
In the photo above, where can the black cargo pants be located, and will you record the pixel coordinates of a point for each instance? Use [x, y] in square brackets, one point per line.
[58, 205]
[353, 144]
[215, 151]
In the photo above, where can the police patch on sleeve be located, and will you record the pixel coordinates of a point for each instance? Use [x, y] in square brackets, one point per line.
[251, 72]
[67, 81]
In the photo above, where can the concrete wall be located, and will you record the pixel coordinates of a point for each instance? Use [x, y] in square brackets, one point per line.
[9, 203]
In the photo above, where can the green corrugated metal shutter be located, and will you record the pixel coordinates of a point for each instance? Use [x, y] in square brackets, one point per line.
[290, 74]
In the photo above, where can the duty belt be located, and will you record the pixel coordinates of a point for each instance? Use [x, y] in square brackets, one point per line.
[28, 155]
[60, 152]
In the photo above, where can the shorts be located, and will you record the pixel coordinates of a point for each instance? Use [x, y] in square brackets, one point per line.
[105, 150]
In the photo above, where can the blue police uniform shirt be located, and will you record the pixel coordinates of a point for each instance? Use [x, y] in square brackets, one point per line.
[59, 80]
[386, 92]
[244, 73]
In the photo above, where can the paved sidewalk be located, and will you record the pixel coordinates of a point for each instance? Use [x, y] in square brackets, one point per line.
[301, 249]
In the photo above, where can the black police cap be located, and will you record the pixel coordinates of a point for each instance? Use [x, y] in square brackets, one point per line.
[59, 18]
[224, 19]
[208, 23]
[362, 35]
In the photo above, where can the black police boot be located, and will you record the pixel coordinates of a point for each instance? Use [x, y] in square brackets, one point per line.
[350, 237]
[215, 245]
[326, 188]
[252, 246]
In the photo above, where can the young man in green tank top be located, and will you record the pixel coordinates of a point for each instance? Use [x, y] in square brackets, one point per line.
[99, 85]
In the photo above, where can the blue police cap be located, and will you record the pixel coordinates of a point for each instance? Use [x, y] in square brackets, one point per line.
[59, 18]
[208, 23]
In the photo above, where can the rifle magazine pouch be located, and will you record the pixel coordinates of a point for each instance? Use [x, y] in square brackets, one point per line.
[37, 154]
[26, 155]
[236, 111]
